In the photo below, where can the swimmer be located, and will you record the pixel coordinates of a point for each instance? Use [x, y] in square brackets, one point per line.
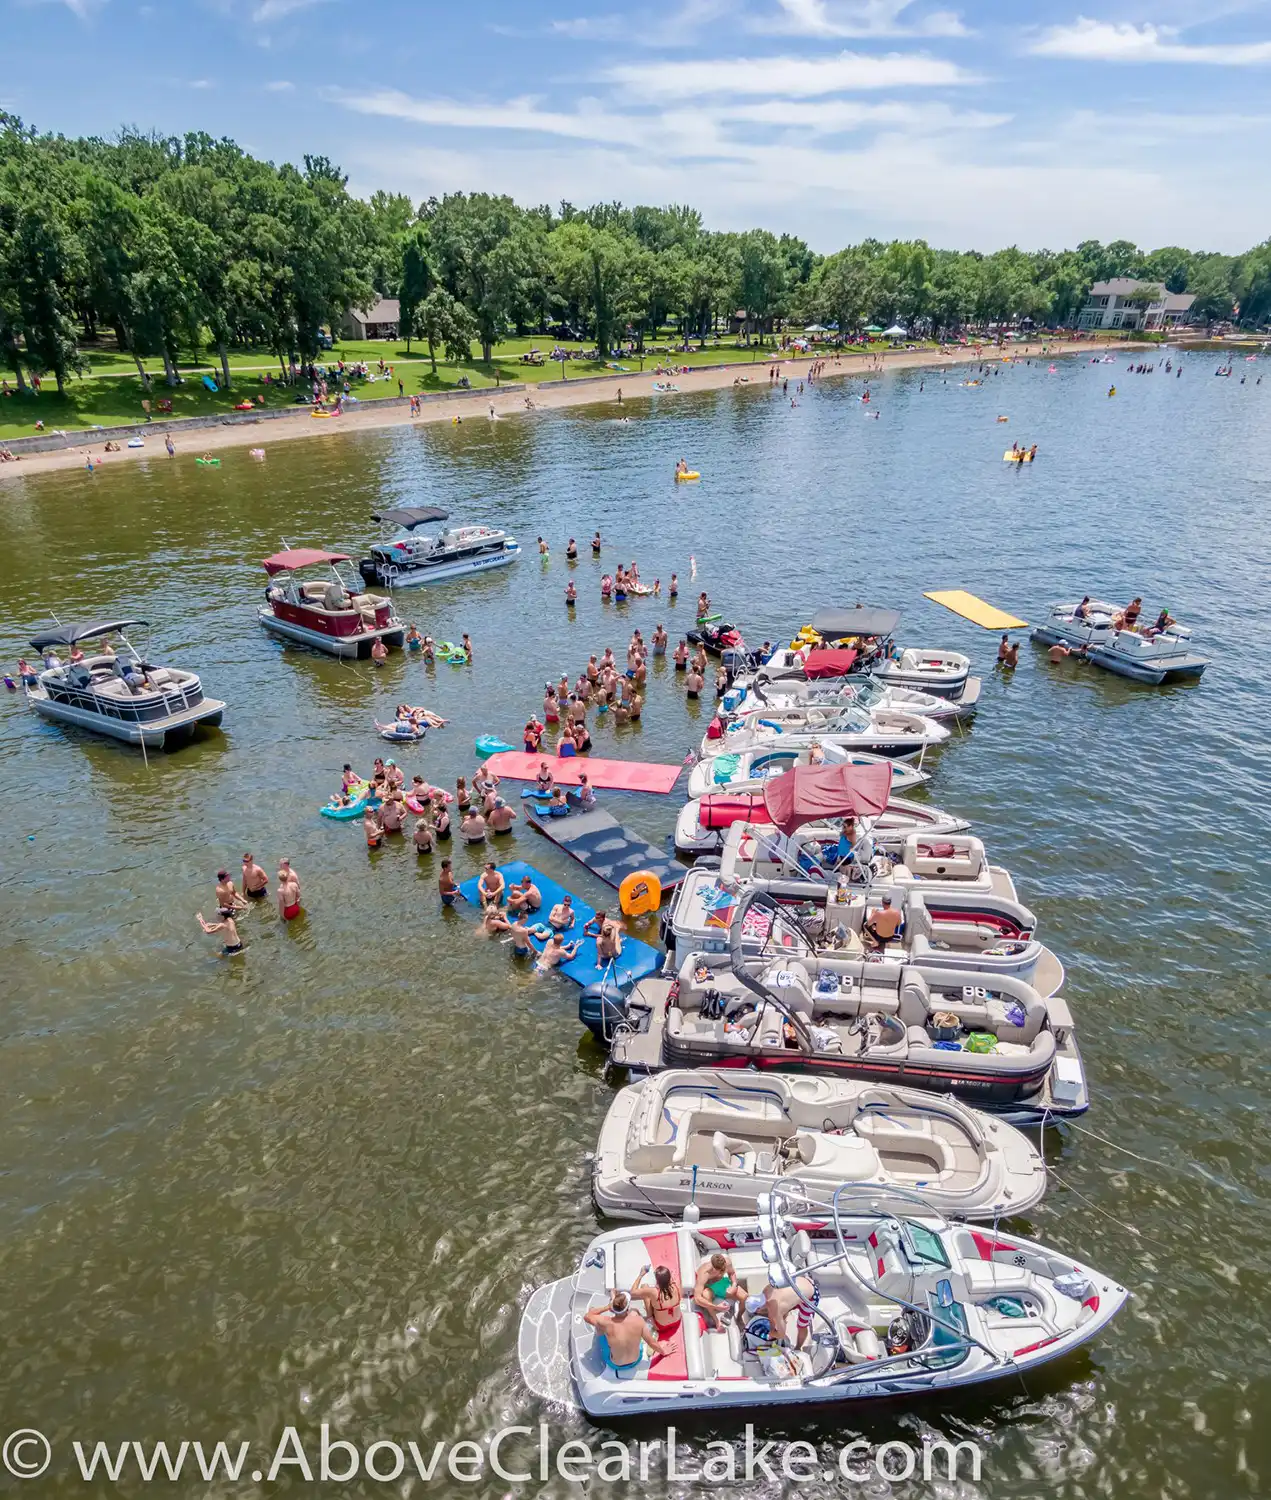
[255, 881]
[557, 951]
[233, 943]
[227, 896]
[288, 895]
[379, 652]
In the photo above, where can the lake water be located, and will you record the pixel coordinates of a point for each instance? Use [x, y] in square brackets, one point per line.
[317, 1183]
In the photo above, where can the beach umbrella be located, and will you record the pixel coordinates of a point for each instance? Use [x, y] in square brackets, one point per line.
[815, 328]
[897, 332]
[873, 328]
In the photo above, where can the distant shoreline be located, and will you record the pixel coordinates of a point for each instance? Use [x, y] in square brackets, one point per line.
[589, 391]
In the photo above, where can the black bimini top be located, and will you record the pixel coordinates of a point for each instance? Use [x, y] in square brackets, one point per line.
[410, 516]
[79, 630]
[866, 619]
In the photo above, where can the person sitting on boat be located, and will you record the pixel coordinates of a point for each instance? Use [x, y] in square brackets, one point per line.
[621, 1333]
[1082, 611]
[134, 676]
[715, 1290]
[557, 951]
[472, 826]
[1129, 616]
[661, 1300]
[882, 927]
[491, 887]
[562, 916]
[545, 782]
[779, 1302]
[1162, 623]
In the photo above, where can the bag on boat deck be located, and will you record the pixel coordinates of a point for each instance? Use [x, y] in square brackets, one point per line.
[981, 1041]
[945, 1026]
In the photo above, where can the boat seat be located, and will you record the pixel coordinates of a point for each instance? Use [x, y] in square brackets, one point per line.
[847, 1158]
[986, 1278]
[731, 1153]
[858, 1343]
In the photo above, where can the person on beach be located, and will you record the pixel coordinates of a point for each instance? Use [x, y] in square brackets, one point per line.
[447, 886]
[255, 881]
[232, 942]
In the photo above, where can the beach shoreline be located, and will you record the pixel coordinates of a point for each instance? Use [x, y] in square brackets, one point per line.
[547, 396]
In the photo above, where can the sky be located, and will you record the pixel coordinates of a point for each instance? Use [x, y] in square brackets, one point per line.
[973, 126]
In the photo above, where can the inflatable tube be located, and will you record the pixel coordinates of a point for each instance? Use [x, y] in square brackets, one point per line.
[210, 383]
[685, 474]
[487, 745]
[640, 893]
[412, 738]
[208, 463]
[344, 814]
[324, 415]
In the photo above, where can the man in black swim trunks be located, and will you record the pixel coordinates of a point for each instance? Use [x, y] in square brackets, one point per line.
[255, 881]
[233, 943]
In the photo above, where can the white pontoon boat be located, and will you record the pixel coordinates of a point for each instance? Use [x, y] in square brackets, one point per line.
[118, 691]
[412, 556]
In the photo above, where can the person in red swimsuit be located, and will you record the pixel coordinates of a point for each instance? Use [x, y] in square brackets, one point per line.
[288, 895]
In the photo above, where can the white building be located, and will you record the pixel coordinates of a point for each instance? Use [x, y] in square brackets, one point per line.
[1108, 305]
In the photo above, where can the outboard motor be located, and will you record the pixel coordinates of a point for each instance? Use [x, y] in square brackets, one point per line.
[367, 569]
[601, 1008]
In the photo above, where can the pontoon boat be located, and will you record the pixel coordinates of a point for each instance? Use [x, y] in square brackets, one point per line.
[119, 692]
[895, 1303]
[315, 599]
[411, 556]
[719, 1138]
[1142, 653]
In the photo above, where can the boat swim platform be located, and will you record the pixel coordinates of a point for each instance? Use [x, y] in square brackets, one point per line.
[638, 960]
[608, 775]
[976, 610]
[602, 845]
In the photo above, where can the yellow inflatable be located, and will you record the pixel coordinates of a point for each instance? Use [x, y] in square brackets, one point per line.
[682, 474]
[1011, 456]
[639, 893]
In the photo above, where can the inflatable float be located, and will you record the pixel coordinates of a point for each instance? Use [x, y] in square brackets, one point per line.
[640, 893]
[355, 809]
[448, 651]
[208, 463]
[402, 733]
[324, 414]
[489, 744]
[416, 806]
[682, 475]
[1013, 457]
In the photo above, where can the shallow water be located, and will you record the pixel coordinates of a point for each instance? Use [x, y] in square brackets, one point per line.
[317, 1183]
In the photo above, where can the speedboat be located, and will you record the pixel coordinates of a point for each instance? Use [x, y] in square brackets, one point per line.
[412, 556]
[720, 1138]
[746, 771]
[991, 1040]
[796, 689]
[118, 692]
[869, 631]
[316, 598]
[702, 823]
[881, 731]
[889, 1301]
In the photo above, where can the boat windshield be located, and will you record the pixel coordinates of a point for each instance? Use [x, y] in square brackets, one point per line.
[921, 1244]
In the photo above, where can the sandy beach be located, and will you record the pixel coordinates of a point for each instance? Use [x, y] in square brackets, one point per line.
[547, 396]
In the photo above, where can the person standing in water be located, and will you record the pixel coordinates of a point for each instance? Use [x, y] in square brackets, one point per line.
[233, 943]
[255, 881]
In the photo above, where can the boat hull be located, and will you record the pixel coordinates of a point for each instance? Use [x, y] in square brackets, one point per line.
[158, 734]
[1148, 671]
[347, 646]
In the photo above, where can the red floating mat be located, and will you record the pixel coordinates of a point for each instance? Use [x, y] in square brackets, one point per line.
[608, 775]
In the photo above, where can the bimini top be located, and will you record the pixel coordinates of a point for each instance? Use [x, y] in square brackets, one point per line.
[300, 557]
[79, 630]
[809, 793]
[863, 620]
[410, 516]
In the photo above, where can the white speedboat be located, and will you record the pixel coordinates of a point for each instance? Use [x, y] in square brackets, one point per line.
[869, 631]
[794, 691]
[413, 556]
[718, 1138]
[118, 691]
[315, 597]
[860, 1303]
[746, 770]
[703, 822]
[881, 731]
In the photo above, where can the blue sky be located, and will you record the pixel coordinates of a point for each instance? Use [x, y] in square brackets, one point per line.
[974, 126]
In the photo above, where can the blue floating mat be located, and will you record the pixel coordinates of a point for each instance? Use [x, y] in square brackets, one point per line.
[638, 960]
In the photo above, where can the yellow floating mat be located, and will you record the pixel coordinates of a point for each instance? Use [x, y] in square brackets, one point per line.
[976, 610]
[1022, 456]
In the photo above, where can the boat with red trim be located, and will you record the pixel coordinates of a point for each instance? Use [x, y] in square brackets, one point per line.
[316, 598]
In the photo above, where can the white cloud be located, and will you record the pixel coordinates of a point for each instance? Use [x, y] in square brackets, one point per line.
[83, 9]
[857, 18]
[1122, 41]
[793, 77]
[280, 86]
[279, 10]
[590, 28]
[200, 83]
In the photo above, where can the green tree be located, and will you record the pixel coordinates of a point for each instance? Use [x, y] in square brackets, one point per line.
[441, 319]
[417, 280]
[763, 278]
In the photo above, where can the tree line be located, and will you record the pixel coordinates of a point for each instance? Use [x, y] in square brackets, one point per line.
[178, 243]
